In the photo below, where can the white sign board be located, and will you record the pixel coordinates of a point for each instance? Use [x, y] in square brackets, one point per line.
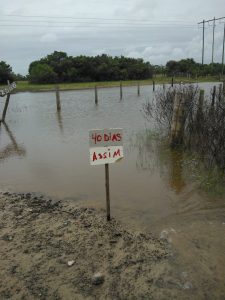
[8, 89]
[106, 146]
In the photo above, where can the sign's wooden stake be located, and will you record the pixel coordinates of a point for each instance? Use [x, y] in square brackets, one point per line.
[107, 191]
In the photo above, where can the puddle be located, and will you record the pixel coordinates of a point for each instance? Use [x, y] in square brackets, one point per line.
[48, 152]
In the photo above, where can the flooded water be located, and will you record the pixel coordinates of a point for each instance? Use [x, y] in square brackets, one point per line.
[48, 152]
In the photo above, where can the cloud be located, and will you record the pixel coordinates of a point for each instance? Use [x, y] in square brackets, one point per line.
[171, 33]
[49, 38]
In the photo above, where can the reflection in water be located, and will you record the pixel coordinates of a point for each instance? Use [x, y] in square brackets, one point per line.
[152, 155]
[60, 122]
[176, 180]
[13, 148]
[145, 145]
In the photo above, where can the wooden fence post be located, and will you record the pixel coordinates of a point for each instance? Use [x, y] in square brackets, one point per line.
[199, 114]
[172, 82]
[58, 104]
[138, 88]
[96, 95]
[213, 96]
[5, 107]
[153, 85]
[177, 125]
[220, 91]
[121, 90]
[201, 99]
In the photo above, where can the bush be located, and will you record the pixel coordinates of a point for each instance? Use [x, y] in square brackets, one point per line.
[65, 68]
[42, 73]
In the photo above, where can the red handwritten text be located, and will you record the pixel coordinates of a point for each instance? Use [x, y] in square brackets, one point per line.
[110, 137]
[106, 155]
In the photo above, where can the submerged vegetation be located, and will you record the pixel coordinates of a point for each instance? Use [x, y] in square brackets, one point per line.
[203, 129]
[178, 167]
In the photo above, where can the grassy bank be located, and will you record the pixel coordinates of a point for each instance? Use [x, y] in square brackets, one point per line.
[25, 86]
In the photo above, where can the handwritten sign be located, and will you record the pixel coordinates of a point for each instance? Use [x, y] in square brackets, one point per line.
[7, 89]
[106, 146]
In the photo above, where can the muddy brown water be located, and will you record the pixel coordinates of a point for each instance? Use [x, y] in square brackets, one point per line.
[43, 151]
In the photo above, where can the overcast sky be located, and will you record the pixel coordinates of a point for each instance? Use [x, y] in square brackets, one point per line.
[156, 30]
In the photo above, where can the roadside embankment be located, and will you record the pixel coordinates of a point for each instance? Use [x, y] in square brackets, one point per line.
[60, 250]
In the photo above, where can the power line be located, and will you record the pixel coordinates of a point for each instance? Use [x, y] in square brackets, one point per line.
[90, 18]
[107, 26]
[103, 26]
[11, 20]
[96, 23]
[88, 23]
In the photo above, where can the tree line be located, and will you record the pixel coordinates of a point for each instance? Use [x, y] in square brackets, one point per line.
[58, 67]
[192, 68]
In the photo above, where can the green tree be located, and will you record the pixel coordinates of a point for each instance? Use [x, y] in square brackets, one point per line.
[187, 65]
[5, 72]
[20, 77]
[159, 69]
[42, 73]
[172, 67]
[64, 68]
[72, 74]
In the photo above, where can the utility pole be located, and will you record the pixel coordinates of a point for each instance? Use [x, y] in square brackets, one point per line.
[203, 36]
[203, 41]
[223, 49]
[214, 25]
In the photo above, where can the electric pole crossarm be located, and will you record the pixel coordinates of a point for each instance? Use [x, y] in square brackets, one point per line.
[211, 20]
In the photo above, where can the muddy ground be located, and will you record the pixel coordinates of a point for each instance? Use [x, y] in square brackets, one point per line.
[53, 250]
